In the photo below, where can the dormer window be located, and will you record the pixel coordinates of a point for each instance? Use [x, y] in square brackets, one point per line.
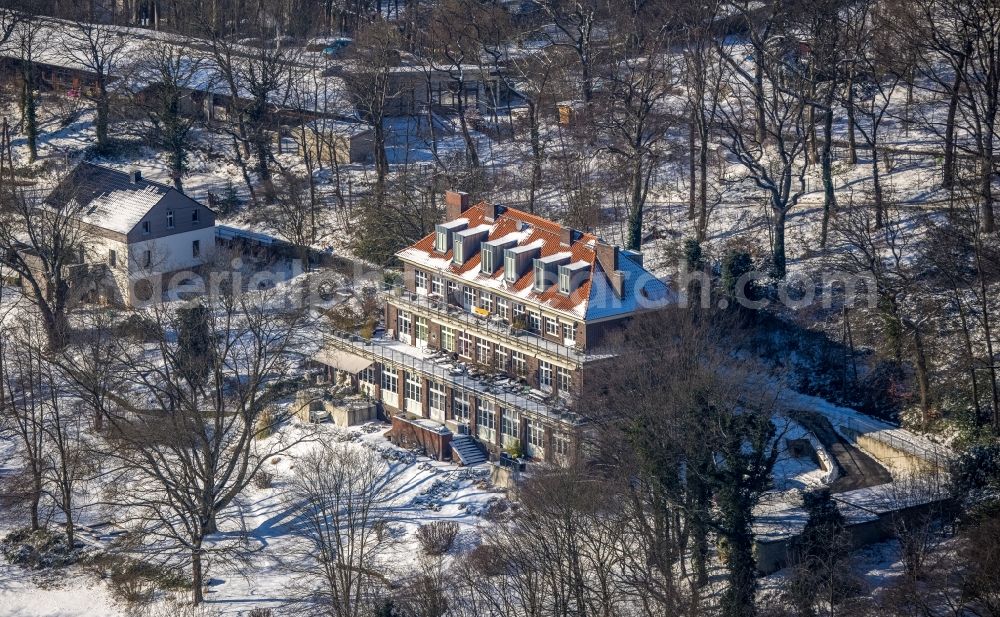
[170, 219]
[441, 240]
[564, 280]
[510, 267]
[145, 228]
[539, 276]
[487, 261]
[458, 257]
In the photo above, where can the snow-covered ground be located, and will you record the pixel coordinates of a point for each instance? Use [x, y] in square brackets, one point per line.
[423, 490]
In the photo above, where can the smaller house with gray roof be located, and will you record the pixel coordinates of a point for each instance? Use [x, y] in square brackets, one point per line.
[140, 231]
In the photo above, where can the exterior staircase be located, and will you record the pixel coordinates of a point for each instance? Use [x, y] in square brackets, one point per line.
[465, 451]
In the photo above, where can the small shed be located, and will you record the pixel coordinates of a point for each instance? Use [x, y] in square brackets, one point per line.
[336, 141]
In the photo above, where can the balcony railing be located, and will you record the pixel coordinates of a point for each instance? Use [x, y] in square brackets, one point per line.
[488, 325]
[500, 390]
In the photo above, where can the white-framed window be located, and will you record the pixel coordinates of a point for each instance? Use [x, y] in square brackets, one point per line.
[420, 281]
[544, 375]
[486, 261]
[509, 421]
[551, 326]
[534, 322]
[519, 311]
[564, 280]
[486, 301]
[435, 396]
[539, 277]
[460, 406]
[367, 375]
[519, 364]
[448, 338]
[536, 434]
[457, 257]
[569, 332]
[390, 380]
[503, 307]
[437, 285]
[565, 380]
[465, 344]
[500, 358]
[452, 291]
[485, 421]
[170, 219]
[468, 297]
[482, 351]
[422, 329]
[510, 267]
[561, 445]
[441, 241]
[411, 388]
[404, 324]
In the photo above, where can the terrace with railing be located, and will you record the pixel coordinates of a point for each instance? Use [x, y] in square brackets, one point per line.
[500, 389]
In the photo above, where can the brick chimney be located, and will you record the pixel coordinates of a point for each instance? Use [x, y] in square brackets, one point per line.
[493, 212]
[455, 203]
[568, 235]
[607, 255]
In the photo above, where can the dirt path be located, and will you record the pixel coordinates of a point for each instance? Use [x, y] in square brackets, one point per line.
[857, 469]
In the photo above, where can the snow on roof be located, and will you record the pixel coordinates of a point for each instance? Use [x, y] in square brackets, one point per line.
[107, 198]
[557, 257]
[594, 298]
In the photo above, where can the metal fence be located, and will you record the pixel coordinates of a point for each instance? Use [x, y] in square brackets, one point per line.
[456, 377]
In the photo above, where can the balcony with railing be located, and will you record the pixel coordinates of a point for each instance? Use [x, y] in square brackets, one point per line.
[439, 367]
[489, 325]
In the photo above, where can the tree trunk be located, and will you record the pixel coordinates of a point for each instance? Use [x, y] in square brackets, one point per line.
[923, 380]
[758, 95]
[536, 155]
[829, 197]
[29, 108]
[703, 188]
[101, 122]
[636, 207]
[877, 187]
[739, 598]
[778, 242]
[692, 170]
[948, 173]
[197, 577]
[986, 178]
[852, 139]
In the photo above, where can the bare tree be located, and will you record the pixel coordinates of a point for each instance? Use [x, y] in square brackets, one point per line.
[29, 39]
[24, 412]
[373, 89]
[170, 74]
[188, 425]
[639, 79]
[342, 493]
[41, 243]
[100, 49]
[764, 120]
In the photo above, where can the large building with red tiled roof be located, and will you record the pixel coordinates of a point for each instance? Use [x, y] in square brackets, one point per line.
[502, 313]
